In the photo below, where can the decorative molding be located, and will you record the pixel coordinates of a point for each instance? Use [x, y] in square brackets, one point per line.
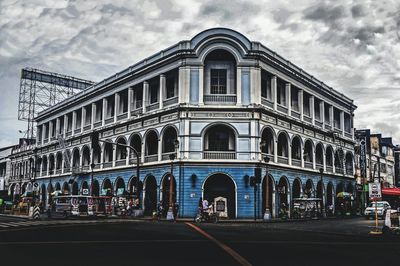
[85, 139]
[268, 118]
[297, 128]
[134, 126]
[220, 114]
[283, 124]
[150, 122]
[76, 142]
[309, 132]
[107, 133]
[120, 130]
[319, 136]
[169, 117]
[329, 139]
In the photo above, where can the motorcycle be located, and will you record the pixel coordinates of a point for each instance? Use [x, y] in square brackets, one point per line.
[206, 217]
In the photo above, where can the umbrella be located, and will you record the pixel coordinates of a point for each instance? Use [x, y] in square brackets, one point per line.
[344, 195]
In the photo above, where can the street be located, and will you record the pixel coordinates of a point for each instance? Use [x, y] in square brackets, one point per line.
[111, 242]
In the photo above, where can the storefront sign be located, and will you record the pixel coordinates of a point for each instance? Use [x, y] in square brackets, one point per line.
[363, 159]
[85, 191]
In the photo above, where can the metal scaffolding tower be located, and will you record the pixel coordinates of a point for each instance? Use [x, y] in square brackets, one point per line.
[40, 90]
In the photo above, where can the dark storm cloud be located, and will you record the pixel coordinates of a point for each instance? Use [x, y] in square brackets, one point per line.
[325, 13]
[358, 11]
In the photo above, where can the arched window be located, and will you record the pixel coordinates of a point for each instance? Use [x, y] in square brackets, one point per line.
[51, 164]
[76, 158]
[168, 141]
[219, 143]
[108, 154]
[267, 138]
[349, 163]
[329, 158]
[151, 146]
[296, 151]
[220, 77]
[86, 156]
[308, 154]
[96, 155]
[283, 145]
[59, 162]
[67, 161]
[339, 156]
[121, 151]
[136, 143]
[319, 156]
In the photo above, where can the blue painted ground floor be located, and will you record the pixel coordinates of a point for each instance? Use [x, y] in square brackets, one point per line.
[193, 182]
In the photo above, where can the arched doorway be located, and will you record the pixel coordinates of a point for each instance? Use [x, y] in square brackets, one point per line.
[96, 188]
[150, 195]
[271, 194]
[58, 187]
[283, 195]
[107, 188]
[65, 189]
[221, 185]
[120, 187]
[85, 188]
[165, 190]
[330, 197]
[309, 189]
[75, 188]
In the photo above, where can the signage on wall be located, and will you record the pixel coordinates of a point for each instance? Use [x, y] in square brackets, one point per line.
[85, 191]
[375, 190]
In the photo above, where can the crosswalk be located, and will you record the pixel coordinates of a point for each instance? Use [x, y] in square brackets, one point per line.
[29, 223]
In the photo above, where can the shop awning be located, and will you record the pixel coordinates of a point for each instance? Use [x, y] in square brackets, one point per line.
[391, 191]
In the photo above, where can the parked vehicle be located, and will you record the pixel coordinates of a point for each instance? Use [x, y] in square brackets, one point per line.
[206, 216]
[71, 206]
[381, 208]
[100, 206]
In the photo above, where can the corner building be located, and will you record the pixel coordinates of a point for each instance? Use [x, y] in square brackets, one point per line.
[220, 95]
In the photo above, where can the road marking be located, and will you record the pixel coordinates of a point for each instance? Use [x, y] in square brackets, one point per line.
[234, 254]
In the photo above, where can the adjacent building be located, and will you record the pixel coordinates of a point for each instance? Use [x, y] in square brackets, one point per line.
[220, 103]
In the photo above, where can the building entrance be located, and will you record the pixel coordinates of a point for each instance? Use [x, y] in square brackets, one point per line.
[221, 185]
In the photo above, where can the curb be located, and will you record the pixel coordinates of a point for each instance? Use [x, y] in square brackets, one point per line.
[14, 216]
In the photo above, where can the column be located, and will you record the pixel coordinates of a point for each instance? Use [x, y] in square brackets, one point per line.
[159, 152]
[238, 86]
[288, 92]
[143, 152]
[145, 95]
[73, 122]
[276, 151]
[342, 122]
[290, 153]
[312, 109]
[314, 158]
[65, 125]
[50, 130]
[274, 92]
[324, 160]
[116, 106]
[255, 85]
[322, 110]
[130, 96]
[162, 87]
[201, 86]
[301, 104]
[58, 132]
[43, 132]
[184, 84]
[103, 120]
[331, 116]
[93, 115]
[83, 118]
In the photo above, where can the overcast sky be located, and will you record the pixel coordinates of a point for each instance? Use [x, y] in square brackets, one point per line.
[353, 46]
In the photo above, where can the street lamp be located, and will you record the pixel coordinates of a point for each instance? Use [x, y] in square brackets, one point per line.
[321, 171]
[92, 166]
[172, 156]
[267, 214]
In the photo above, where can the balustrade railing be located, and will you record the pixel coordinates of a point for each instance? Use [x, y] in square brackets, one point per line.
[122, 116]
[219, 155]
[220, 98]
[120, 162]
[329, 169]
[296, 162]
[170, 101]
[283, 160]
[151, 158]
[282, 108]
[107, 164]
[266, 102]
[152, 107]
[308, 165]
[109, 120]
[97, 124]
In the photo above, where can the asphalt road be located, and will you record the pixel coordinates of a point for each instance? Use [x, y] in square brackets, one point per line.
[130, 242]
